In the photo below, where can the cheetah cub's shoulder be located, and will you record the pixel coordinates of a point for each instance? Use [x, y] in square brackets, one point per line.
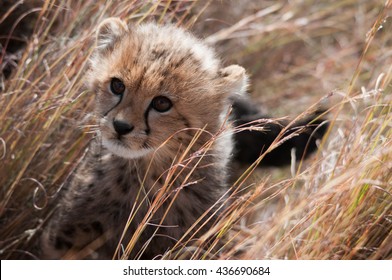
[158, 171]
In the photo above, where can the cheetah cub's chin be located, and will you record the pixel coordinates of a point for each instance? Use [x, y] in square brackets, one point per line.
[120, 149]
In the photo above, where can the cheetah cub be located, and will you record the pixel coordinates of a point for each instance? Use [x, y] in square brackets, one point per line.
[156, 176]
[162, 103]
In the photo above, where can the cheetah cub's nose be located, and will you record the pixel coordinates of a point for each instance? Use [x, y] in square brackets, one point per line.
[122, 127]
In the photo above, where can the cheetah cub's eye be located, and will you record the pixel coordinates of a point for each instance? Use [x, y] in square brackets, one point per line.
[117, 87]
[161, 104]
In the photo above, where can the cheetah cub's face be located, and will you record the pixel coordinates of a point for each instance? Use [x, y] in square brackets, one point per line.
[153, 82]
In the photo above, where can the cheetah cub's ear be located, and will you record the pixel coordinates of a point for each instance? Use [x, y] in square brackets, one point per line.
[109, 31]
[234, 80]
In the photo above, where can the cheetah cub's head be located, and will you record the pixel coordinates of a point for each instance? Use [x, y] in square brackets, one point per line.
[152, 82]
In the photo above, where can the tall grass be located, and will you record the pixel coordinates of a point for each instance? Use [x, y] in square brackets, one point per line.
[335, 206]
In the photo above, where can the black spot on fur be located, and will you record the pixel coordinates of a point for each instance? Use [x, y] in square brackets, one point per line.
[84, 227]
[116, 204]
[166, 73]
[181, 216]
[181, 221]
[204, 199]
[185, 122]
[97, 227]
[151, 197]
[100, 173]
[120, 179]
[90, 186]
[139, 49]
[125, 187]
[165, 204]
[69, 231]
[139, 82]
[106, 192]
[90, 199]
[180, 62]
[158, 54]
[162, 81]
[115, 214]
[60, 243]
[155, 177]
[102, 210]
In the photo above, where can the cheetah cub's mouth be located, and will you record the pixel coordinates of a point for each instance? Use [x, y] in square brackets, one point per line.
[123, 144]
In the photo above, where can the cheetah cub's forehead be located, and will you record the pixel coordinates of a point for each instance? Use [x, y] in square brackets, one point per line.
[169, 41]
[152, 82]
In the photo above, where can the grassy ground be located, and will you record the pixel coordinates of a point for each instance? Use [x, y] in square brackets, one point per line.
[337, 205]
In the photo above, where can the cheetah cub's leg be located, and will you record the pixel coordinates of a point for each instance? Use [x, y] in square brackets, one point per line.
[80, 224]
[73, 234]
